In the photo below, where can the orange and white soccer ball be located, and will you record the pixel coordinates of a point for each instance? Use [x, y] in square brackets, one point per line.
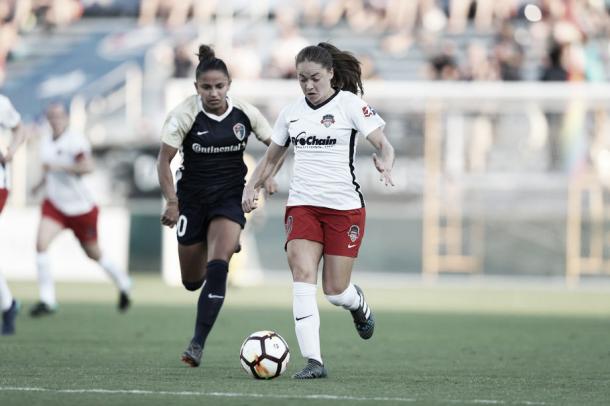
[264, 355]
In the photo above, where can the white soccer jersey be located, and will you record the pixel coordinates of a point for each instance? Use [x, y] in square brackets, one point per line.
[65, 190]
[9, 119]
[324, 139]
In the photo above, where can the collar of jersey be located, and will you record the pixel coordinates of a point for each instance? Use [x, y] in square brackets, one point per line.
[325, 102]
[214, 116]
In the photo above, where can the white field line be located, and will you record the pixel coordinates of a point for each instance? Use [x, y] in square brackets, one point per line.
[261, 396]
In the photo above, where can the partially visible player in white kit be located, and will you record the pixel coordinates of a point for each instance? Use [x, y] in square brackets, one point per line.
[9, 119]
[66, 157]
[325, 212]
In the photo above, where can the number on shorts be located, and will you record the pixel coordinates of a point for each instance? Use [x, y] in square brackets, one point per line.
[181, 227]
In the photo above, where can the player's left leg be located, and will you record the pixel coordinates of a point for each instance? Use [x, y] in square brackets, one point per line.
[340, 291]
[222, 234]
[343, 233]
[84, 227]
[222, 238]
[118, 277]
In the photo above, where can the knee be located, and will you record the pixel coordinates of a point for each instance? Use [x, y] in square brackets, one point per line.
[331, 290]
[336, 295]
[192, 286]
[217, 270]
[301, 272]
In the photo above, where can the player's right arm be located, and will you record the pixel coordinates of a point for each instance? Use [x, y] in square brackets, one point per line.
[263, 171]
[265, 168]
[10, 118]
[18, 138]
[166, 181]
[174, 131]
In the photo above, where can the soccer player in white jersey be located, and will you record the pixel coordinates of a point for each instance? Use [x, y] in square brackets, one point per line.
[325, 212]
[211, 131]
[66, 157]
[9, 119]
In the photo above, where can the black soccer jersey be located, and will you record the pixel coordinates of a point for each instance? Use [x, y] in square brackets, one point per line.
[212, 147]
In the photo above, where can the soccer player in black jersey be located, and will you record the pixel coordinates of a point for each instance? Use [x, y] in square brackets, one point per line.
[211, 131]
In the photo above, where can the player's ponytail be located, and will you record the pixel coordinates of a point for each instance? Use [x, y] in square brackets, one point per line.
[346, 68]
[208, 61]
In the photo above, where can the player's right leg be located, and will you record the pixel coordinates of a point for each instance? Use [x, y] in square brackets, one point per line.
[50, 226]
[192, 267]
[9, 308]
[303, 259]
[8, 305]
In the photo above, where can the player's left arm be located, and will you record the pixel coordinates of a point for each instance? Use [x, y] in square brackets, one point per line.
[384, 157]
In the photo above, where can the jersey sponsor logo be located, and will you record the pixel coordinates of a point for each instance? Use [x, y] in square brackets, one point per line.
[294, 121]
[353, 233]
[368, 111]
[351, 245]
[328, 120]
[202, 132]
[304, 141]
[240, 131]
[197, 148]
[288, 225]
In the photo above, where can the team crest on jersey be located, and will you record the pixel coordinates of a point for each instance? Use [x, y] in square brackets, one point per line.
[328, 120]
[353, 233]
[240, 131]
[368, 111]
[288, 225]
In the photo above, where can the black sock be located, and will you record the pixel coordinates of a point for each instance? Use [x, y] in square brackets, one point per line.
[210, 299]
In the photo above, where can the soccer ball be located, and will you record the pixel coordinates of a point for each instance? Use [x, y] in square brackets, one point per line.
[264, 355]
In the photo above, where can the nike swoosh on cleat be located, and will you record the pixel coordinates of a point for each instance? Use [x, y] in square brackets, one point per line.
[211, 296]
[304, 317]
[202, 132]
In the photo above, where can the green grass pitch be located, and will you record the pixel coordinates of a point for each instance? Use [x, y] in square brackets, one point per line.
[432, 345]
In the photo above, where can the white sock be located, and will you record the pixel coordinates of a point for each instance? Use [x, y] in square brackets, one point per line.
[6, 299]
[45, 279]
[306, 319]
[349, 299]
[120, 279]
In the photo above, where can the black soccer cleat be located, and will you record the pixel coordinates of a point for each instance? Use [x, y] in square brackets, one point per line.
[41, 309]
[124, 302]
[8, 318]
[363, 317]
[313, 370]
[192, 355]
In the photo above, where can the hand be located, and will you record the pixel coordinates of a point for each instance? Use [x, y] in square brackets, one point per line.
[384, 169]
[270, 186]
[36, 188]
[170, 214]
[8, 157]
[249, 199]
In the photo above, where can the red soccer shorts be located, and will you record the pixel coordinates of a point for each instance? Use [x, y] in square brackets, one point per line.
[340, 231]
[84, 226]
[3, 198]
